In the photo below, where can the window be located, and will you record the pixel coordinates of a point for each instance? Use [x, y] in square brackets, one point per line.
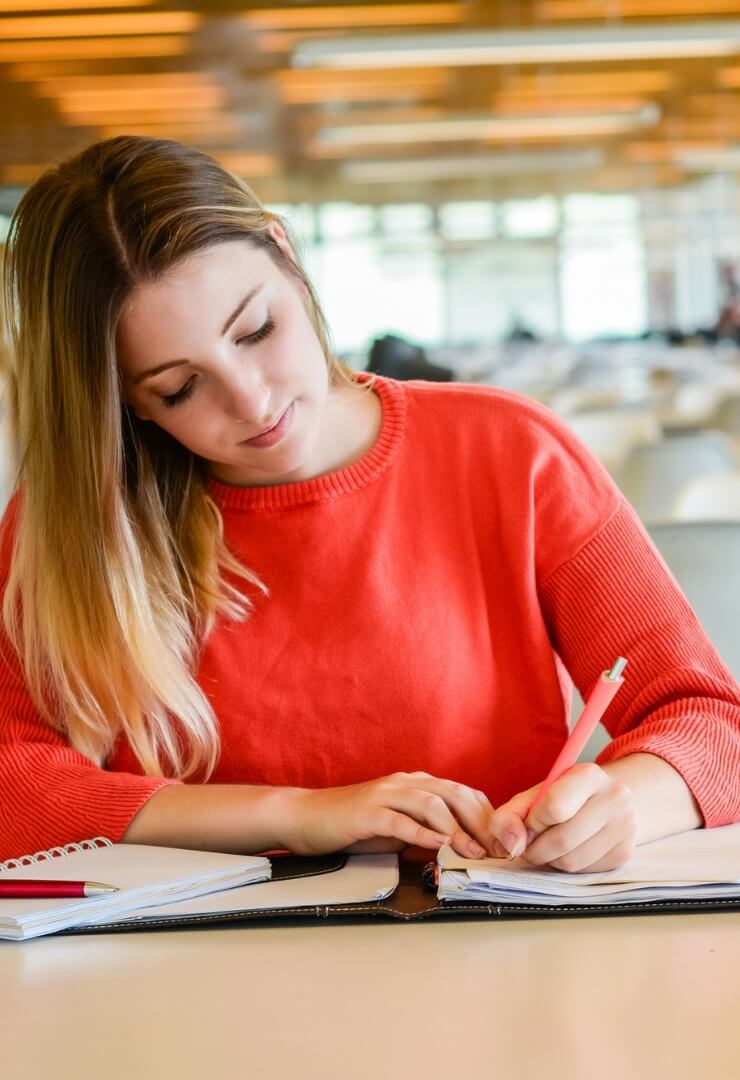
[603, 284]
[530, 217]
[467, 220]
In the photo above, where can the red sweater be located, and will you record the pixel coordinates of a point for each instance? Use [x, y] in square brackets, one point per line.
[425, 604]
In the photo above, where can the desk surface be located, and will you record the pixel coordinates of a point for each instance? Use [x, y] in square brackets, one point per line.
[593, 999]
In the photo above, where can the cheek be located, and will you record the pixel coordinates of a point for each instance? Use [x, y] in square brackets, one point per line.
[194, 428]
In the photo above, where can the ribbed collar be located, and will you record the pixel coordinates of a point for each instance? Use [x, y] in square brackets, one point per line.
[331, 485]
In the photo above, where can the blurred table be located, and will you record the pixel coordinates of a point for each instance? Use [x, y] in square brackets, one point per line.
[619, 998]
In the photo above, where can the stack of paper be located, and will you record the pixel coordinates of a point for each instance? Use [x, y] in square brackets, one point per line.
[702, 864]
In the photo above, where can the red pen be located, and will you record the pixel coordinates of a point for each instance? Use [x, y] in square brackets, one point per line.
[42, 889]
[597, 704]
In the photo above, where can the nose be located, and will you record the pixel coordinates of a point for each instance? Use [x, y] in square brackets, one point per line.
[246, 394]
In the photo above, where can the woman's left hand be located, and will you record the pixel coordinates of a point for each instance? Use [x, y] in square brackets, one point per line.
[586, 822]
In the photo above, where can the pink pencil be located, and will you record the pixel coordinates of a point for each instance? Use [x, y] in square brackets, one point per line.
[597, 704]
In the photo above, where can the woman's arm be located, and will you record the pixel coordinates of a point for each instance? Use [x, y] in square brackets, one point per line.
[674, 762]
[377, 815]
[679, 704]
[662, 800]
[215, 817]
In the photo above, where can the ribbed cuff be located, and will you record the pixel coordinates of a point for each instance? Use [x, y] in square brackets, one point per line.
[703, 748]
[67, 806]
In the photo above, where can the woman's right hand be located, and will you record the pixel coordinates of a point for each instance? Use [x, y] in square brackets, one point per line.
[389, 813]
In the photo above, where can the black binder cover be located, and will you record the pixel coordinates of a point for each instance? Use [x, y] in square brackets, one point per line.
[414, 899]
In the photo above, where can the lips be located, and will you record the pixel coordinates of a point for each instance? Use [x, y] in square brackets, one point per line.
[266, 430]
[270, 435]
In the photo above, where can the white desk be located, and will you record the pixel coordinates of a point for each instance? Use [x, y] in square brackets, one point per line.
[638, 998]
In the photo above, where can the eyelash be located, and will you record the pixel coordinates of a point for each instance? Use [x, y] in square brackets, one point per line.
[170, 400]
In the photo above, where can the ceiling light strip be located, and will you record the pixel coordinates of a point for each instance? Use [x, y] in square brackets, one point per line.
[499, 127]
[445, 168]
[572, 45]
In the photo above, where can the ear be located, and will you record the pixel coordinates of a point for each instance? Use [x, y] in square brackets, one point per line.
[278, 234]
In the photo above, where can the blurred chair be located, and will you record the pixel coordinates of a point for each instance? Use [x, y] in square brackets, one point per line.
[400, 359]
[726, 416]
[569, 400]
[611, 434]
[652, 476]
[704, 557]
[709, 498]
[691, 406]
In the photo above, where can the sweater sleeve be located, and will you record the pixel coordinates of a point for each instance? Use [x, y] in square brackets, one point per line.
[51, 793]
[615, 596]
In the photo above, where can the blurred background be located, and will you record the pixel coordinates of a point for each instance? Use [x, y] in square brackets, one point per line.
[541, 195]
[538, 194]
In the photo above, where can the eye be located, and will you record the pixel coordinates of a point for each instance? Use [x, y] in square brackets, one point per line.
[260, 333]
[170, 400]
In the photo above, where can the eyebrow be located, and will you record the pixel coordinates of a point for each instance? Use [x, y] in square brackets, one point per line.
[151, 372]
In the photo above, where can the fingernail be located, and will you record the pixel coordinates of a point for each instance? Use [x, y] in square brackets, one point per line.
[442, 839]
[513, 844]
[531, 836]
[476, 850]
[517, 849]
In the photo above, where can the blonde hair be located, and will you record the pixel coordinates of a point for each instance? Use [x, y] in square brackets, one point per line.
[119, 564]
[4, 357]
[7, 441]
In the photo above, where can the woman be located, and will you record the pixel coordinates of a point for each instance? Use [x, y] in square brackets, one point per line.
[252, 602]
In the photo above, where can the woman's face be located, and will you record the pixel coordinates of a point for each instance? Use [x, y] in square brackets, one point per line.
[222, 355]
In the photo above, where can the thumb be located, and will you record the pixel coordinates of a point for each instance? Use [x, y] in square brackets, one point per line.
[507, 824]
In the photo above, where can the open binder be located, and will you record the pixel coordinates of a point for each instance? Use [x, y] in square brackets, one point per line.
[408, 890]
[697, 871]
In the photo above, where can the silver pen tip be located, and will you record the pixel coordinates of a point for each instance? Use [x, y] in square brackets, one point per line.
[616, 669]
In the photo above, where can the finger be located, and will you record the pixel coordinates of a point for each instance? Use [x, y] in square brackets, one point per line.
[472, 811]
[609, 848]
[509, 832]
[507, 824]
[604, 821]
[426, 806]
[567, 795]
[614, 858]
[498, 851]
[394, 825]
[465, 845]
[557, 840]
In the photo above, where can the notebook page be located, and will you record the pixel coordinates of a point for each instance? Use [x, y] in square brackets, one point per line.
[682, 861]
[144, 875]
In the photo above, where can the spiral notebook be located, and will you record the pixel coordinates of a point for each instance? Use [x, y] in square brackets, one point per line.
[144, 876]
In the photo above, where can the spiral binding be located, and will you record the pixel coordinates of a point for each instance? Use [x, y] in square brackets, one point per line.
[55, 853]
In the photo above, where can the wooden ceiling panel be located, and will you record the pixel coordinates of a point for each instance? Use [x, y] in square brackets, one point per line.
[587, 10]
[222, 74]
[27, 28]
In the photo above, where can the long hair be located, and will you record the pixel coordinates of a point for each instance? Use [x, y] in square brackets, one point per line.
[119, 568]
